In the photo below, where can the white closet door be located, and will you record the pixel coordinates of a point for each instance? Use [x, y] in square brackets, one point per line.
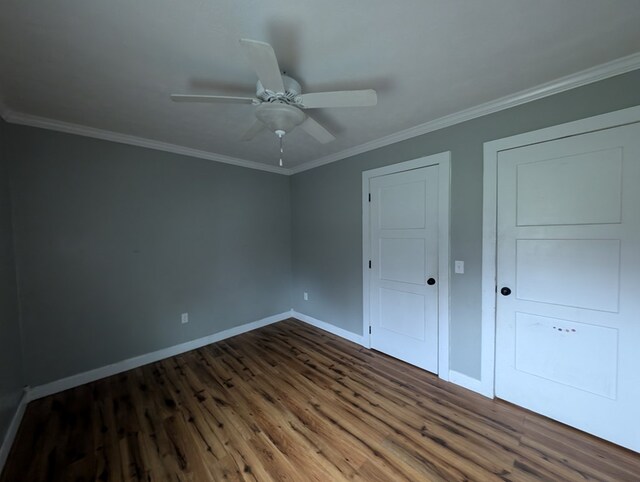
[568, 301]
[404, 266]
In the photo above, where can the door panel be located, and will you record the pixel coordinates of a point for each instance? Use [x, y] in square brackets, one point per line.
[402, 313]
[569, 249]
[586, 272]
[402, 260]
[402, 205]
[574, 354]
[594, 198]
[404, 240]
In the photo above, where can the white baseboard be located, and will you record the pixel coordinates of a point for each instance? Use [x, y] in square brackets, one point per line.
[323, 325]
[455, 377]
[467, 382]
[119, 367]
[12, 431]
[92, 375]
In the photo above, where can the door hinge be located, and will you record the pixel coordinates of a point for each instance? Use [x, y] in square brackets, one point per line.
[369, 329]
[370, 265]
[369, 197]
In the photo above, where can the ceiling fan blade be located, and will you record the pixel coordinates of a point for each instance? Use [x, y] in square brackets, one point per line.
[219, 99]
[342, 98]
[254, 130]
[317, 131]
[263, 60]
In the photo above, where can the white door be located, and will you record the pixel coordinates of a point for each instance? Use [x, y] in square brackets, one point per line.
[404, 266]
[568, 333]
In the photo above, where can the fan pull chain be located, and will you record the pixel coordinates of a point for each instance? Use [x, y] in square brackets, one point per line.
[280, 134]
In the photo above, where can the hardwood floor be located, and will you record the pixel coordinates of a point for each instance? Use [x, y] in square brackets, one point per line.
[291, 402]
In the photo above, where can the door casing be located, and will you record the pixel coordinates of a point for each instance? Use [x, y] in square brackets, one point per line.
[486, 385]
[443, 160]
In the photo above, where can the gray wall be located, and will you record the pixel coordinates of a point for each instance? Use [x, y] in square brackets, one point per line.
[114, 242]
[327, 222]
[11, 374]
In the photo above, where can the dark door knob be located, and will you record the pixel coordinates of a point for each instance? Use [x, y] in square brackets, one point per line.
[431, 281]
[505, 291]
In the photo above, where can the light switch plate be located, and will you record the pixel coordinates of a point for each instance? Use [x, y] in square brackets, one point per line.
[459, 267]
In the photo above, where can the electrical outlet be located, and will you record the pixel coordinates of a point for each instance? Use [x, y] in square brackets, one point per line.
[184, 318]
[459, 267]
[306, 296]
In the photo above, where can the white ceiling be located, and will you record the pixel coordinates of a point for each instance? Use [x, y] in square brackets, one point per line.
[111, 65]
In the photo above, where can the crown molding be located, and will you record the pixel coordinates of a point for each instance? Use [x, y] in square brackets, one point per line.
[584, 77]
[69, 128]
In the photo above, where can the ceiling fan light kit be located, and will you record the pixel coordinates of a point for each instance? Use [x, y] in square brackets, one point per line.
[279, 116]
[279, 98]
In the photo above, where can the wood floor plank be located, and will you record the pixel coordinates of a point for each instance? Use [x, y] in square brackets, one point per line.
[290, 402]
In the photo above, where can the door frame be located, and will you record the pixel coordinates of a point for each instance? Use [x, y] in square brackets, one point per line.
[443, 160]
[490, 222]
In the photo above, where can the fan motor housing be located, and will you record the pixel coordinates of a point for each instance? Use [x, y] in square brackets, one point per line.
[291, 87]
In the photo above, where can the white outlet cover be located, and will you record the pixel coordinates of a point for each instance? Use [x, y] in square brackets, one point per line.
[306, 296]
[184, 318]
[459, 267]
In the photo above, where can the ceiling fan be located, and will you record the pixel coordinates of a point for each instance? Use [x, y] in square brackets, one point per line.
[279, 98]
